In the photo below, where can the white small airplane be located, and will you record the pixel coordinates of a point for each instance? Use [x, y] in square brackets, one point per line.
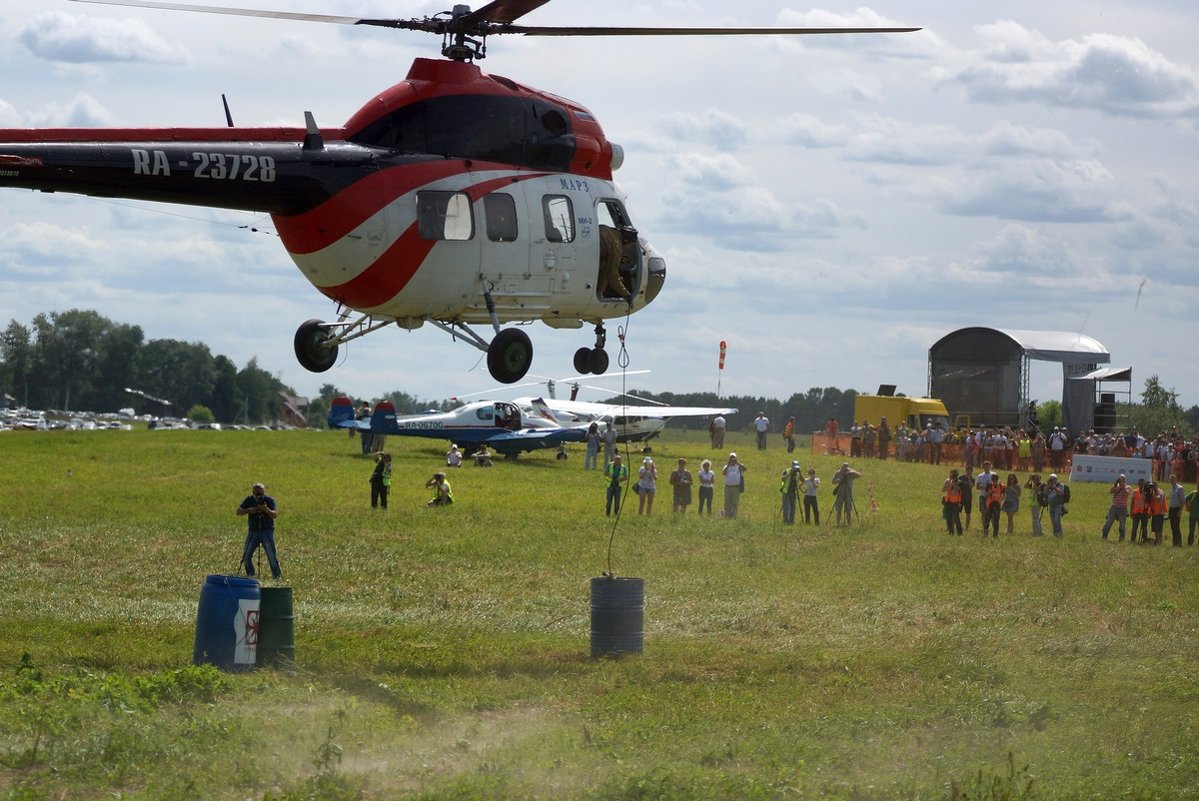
[633, 423]
[499, 425]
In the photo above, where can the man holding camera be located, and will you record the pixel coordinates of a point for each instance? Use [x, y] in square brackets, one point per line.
[260, 511]
[1119, 508]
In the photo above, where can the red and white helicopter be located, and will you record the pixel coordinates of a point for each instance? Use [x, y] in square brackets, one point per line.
[455, 197]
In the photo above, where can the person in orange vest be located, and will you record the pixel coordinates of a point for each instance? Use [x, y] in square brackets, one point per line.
[994, 503]
[951, 499]
[1156, 500]
[1138, 510]
[832, 440]
[789, 434]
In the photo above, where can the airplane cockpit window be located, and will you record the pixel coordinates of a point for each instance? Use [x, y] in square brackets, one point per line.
[444, 215]
[507, 416]
[500, 211]
[485, 413]
[559, 218]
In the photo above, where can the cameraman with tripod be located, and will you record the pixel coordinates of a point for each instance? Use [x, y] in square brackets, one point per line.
[843, 493]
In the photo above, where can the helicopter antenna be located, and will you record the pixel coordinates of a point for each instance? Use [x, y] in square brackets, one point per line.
[228, 114]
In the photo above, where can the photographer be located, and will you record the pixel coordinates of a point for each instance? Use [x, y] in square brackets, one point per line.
[260, 511]
[1140, 512]
[1056, 497]
[791, 487]
[843, 493]
[1119, 507]
[1036, 502]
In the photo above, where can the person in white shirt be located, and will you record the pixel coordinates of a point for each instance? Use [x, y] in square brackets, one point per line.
[734, 477]
[762, 425]
[706, 479]
[717, 431]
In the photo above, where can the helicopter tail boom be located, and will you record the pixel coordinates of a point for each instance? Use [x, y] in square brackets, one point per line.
[261, 170]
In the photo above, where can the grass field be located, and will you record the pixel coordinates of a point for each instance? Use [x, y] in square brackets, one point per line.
[444, 654]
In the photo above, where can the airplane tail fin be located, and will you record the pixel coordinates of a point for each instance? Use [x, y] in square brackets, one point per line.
[542, 410]
[383, 420]
[340, 410]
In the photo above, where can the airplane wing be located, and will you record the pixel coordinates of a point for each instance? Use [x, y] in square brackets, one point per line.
[600, 410]
[500, 440]
[533, 438]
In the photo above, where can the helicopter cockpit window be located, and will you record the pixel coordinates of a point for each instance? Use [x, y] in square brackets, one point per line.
[500, 211]
[559, 218]
[444, 215]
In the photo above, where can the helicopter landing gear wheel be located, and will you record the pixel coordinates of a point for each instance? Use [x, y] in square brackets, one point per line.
[591, 360]
[597, 361]
[509, 356]
[312, 348]
[583, 361]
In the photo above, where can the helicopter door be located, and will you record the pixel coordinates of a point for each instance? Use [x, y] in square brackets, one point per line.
[610, 213]
[555, 235]
[446, 219]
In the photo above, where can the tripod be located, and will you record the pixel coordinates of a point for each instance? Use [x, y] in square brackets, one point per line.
[844, 491]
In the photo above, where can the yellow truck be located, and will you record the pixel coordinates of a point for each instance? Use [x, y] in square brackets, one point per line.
[916, 412]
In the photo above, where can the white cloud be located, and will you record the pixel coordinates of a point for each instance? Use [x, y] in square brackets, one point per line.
[712, 127]
[809, 131]
[1117, 75]
[56, 36]
[716, 173]
[1037, 190]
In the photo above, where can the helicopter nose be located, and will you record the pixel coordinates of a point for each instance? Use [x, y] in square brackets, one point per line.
[655, 273]
[617, 157]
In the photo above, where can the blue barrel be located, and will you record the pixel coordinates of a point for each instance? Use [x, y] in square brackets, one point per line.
[276, 634]
[617, 616]
[227, 623]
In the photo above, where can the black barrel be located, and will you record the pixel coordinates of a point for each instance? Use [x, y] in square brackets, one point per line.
[276, 629]
[617, 616]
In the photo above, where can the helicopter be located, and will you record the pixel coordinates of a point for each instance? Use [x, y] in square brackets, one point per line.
[455, 198]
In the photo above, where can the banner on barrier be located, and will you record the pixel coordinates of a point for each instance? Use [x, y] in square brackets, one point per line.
[1107, 468]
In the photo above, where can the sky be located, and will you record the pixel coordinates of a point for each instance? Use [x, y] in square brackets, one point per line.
[828, 206]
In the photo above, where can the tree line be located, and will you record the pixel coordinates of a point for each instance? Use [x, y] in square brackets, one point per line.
[79, 360]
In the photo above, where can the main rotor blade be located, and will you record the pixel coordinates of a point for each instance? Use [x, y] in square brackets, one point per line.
[241, 12]
[426, 25]
[495, 17]
[617, 31]
[502, 11]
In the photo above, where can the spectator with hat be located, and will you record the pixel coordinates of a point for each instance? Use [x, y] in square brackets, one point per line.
[647, 485]
[734, 485]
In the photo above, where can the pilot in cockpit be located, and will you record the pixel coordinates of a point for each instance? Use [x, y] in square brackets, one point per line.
[616, 246]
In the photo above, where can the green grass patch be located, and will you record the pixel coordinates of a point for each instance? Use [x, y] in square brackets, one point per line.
[444, 653]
